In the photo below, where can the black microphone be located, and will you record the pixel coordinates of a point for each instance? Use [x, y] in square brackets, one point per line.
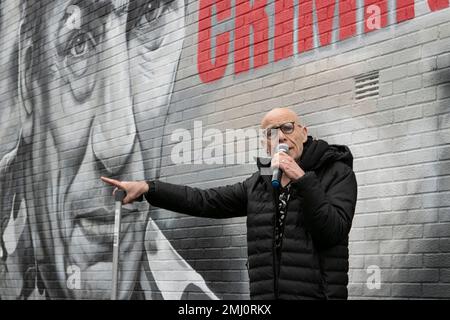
[277, 172]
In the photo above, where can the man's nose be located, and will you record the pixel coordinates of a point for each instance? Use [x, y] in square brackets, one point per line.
[114, 129]
[281, 137]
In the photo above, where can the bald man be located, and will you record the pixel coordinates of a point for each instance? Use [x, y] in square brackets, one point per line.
[297, 235]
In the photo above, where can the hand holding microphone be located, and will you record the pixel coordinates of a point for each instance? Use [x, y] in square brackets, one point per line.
[277, 171]
[282, 162]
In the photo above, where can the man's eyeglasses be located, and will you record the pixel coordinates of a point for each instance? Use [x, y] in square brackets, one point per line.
[286, 128]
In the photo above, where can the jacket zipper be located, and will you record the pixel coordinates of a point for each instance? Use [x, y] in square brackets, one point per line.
[274, 252]
[274, 249]
[275, 265]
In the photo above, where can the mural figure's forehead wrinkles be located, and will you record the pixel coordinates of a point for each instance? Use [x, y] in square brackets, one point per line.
[101, 7]
[88, 9]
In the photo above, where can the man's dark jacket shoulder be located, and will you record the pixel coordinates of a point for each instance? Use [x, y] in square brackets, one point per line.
[314, 258]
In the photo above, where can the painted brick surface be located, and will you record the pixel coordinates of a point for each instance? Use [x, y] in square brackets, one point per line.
[106, 92]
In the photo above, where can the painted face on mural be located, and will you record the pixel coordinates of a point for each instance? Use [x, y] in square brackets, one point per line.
[101, 79]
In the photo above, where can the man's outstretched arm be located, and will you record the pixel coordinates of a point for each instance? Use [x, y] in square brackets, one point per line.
[221, 202]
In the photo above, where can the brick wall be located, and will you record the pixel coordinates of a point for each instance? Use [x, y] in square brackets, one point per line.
[399, 138]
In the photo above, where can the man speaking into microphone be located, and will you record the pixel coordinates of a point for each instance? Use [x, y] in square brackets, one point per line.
[298, 219]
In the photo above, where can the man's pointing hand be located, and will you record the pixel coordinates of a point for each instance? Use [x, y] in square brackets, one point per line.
[134, 189]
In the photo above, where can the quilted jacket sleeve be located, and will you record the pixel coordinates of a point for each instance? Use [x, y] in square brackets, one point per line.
[221, 202]
[328, 213]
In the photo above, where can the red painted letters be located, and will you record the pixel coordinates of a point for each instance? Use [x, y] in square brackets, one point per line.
[251, 18]
[208, 70]
[246, 16]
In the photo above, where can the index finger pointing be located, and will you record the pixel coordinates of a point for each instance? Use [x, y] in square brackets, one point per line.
[113, 182]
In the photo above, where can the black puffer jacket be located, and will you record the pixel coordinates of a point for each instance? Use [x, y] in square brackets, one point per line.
[314, 258]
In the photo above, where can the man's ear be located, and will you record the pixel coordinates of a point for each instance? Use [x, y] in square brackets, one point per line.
[25, 86]
[305, 134]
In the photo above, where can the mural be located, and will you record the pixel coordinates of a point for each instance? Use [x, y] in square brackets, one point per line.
[85, 90]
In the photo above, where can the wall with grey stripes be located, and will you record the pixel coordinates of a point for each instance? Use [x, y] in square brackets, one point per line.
[119, 88]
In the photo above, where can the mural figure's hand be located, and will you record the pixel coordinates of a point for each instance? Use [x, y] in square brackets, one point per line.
[134, 189]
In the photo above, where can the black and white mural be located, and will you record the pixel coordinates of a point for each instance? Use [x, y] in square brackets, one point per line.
[92, 88]
[85, 90]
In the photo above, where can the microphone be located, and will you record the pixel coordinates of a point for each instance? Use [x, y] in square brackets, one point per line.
[277, 172]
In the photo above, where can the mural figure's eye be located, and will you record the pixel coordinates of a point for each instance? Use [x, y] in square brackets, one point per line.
[81, 62]
[80, 44]
[153, 12]
[152, 24]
